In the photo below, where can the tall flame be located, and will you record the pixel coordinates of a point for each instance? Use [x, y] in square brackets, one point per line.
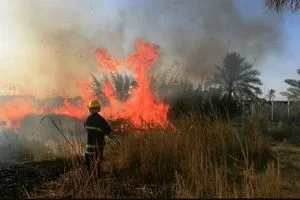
[140, 109]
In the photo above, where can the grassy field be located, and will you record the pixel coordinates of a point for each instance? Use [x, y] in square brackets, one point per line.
[199, 158]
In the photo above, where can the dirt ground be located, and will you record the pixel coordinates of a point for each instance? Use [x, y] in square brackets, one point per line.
[17, 180]
[289, 158]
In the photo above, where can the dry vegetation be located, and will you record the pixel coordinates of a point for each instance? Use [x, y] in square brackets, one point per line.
[201, 158]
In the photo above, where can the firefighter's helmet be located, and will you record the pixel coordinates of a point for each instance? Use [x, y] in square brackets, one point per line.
[94, 104]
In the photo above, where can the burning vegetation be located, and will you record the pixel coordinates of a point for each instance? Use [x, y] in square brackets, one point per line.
[140, 109]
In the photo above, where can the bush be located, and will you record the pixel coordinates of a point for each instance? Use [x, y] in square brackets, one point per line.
[282, 131]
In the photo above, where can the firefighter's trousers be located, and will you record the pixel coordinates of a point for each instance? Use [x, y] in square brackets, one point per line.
[93, 153]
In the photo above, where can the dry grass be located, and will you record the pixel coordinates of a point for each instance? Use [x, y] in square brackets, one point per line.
[201, 158]
[290, 169]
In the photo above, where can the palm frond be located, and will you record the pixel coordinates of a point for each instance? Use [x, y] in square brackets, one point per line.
[280, 5]
[236, 75]
[294, 92]
[271, 94]
[293, 82]
[251, 80]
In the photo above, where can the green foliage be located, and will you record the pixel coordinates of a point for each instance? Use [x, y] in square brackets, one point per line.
[293, 92]
[282, 131]
[271, 94]
[237, 78]
[280, 5]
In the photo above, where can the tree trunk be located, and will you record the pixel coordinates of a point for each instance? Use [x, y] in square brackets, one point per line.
[243, 110]
[229, 101]
[272, 111]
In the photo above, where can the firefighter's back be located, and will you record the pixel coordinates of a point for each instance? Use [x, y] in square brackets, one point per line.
[92, 125]
[96, 127]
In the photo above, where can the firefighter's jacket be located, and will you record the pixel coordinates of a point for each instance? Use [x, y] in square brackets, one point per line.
[97, 127]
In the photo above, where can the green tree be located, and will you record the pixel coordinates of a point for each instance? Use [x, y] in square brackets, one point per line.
[294, 89]
[237, 78]
[280, 5]
[271, 96]
[293, 92]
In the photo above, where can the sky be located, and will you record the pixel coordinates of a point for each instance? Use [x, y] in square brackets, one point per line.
[276, 69]
[284, 67]
[29, 35]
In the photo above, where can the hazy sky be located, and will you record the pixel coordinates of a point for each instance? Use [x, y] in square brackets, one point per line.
[41, 34]
[276, 69]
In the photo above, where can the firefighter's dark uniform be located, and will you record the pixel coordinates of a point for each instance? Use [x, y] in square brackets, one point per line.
[97, 127]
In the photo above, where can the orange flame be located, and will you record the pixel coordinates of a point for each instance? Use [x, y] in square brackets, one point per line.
[140, 109]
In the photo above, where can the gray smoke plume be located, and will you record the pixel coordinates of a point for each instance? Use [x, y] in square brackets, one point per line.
[199, 33]
[59, 38]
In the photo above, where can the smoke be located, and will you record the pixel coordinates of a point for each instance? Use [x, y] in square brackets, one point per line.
[56, 51]
[39, 138]
[57, 39]
[199, 33]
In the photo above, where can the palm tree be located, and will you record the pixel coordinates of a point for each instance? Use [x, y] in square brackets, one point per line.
[237, 78]
[289, 96]
[271, 96]
[280, 5]
[294, 90]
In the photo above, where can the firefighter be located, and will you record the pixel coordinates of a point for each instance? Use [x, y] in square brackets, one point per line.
[97, 129]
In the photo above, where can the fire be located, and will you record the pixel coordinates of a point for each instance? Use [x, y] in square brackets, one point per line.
[140, 109]
[142, 106]
[16, 109]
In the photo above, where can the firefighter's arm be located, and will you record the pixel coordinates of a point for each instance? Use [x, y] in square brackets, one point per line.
[105, 126]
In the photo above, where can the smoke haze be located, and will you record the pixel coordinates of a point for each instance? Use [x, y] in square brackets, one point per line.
[55, 40]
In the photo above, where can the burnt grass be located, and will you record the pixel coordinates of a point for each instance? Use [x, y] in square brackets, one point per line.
[18, 180]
